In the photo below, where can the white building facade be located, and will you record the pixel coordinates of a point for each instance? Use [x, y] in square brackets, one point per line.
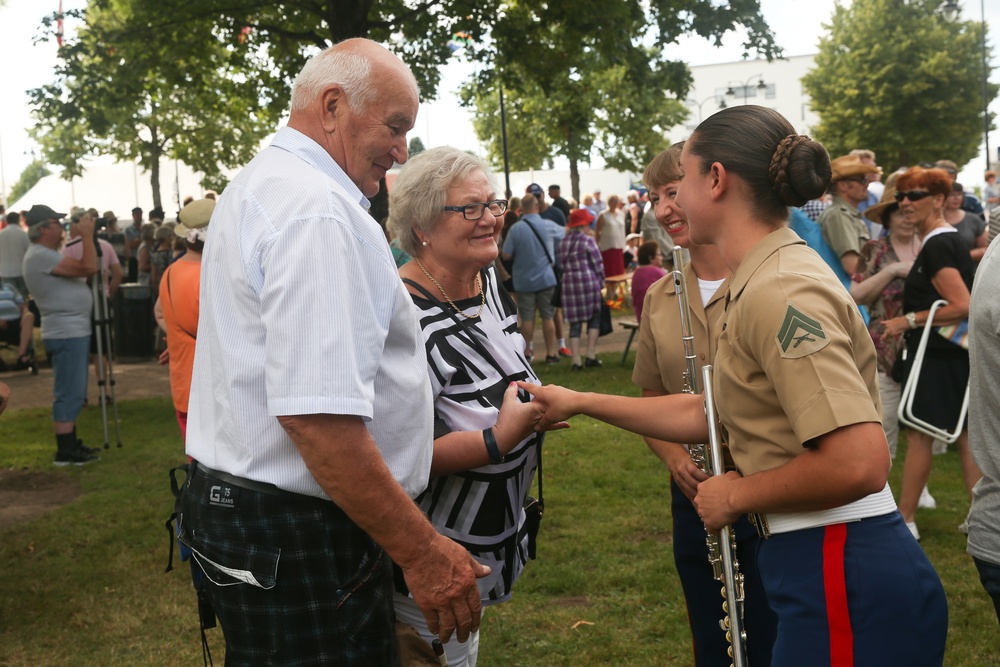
[776, 84]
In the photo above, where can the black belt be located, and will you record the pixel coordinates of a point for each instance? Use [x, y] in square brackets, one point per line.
[243, 483]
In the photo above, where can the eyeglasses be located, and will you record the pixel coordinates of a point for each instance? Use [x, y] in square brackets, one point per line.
[912, 195]
[475, 210]
[861, 180]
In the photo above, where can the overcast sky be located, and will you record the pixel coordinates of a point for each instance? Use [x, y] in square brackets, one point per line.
[796, 23]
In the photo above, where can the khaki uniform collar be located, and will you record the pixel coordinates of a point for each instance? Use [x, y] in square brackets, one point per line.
[766, 247]
[846, 205]
[691, 280]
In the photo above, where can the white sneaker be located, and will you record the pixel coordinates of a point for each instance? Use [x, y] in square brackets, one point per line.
[926, 501]
[912, 525]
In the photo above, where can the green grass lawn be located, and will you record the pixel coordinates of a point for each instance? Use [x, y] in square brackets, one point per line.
[84, 585]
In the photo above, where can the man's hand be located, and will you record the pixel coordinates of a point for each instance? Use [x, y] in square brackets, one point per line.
[443, 584]
[4, 397]
[86, 227]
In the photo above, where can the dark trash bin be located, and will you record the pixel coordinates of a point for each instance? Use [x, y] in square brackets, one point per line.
[133, 321]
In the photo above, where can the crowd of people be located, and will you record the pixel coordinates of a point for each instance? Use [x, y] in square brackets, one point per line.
[365, 424]
[50, 263]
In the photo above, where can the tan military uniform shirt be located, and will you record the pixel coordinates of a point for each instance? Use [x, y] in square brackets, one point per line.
[795, 360]
[660, 364]
[843, 229]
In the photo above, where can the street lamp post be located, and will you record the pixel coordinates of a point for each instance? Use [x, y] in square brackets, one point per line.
[746, 84]
[721, 100]
[950, 10]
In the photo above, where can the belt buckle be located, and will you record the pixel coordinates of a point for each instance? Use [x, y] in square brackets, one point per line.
[759, 521]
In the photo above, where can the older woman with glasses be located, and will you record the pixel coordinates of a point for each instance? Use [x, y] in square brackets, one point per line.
[941, 270]
[445, 212]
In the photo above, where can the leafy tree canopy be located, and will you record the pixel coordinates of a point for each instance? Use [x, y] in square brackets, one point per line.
[126, 93]
[591, 70]
[33, 173]
[894, 77]
[586, 75]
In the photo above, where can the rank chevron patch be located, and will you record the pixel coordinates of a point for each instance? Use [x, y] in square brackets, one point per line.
[800, 334]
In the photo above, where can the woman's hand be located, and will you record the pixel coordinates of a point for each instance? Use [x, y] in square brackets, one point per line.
[685, 472]
[713, 501]
[558, 403]
[518, 420]
[895, 326]
[899, 269]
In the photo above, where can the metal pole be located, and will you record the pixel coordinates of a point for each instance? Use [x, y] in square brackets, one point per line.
[3, 180]
[986, 99]
[503, 138]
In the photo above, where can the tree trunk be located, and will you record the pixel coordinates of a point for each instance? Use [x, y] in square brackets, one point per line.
[574, 179]
[155, 151]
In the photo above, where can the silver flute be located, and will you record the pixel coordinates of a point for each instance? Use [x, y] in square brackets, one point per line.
[724, 551]
[721, 547]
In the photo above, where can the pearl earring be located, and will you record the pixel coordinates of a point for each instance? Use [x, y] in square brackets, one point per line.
[424, 243]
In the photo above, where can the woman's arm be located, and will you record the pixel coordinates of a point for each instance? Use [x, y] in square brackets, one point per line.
[845, 465]
[677, 417]
[982, 242]
[949, 284]
[870, 289]
[466, 450]
[599, 228]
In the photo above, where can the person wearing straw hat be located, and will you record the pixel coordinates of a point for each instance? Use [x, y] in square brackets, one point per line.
[176, 309]
[878, 283]
[843, 228]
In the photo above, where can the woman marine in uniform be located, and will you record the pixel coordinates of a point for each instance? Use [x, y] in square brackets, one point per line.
[796, 390]
[660, 369]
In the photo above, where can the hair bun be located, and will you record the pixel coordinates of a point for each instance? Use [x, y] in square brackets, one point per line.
[792, 180]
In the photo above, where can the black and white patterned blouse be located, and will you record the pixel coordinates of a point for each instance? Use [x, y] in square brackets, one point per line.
[481, 509]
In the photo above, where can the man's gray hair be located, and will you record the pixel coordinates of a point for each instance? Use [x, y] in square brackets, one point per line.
[419, 193]
[344, 67]
[35, 231]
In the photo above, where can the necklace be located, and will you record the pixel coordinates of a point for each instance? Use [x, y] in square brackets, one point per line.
[458, 310]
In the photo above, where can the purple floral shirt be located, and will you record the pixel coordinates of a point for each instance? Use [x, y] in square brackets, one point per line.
[876, 255]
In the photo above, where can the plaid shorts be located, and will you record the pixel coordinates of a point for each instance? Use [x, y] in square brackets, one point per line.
[292, 579]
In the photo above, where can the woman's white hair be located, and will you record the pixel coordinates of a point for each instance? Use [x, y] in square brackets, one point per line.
[345, 67]
[420, 191]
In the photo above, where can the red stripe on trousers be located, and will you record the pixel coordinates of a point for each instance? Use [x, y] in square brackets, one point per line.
[835, 587]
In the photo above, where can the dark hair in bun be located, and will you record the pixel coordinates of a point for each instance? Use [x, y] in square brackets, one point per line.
[760, 146]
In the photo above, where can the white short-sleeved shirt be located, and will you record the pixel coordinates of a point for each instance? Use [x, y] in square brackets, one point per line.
[303, 312]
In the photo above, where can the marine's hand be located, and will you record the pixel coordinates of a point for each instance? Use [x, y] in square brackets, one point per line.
[443, 584]
[686, 474]
[713, 501]
[559, 403]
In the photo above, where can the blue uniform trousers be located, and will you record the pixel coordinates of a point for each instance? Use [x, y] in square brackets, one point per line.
[702, 592]
[857, 594]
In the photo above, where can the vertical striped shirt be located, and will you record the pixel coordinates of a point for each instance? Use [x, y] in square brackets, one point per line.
[481, 509]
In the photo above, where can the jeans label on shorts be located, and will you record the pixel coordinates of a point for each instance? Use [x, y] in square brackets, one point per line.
[222, 495]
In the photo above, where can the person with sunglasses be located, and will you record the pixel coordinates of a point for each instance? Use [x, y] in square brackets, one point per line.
[843, 227]
[942, 269]
[444, 210]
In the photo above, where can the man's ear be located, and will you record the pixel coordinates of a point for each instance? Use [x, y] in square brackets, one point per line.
[333, 103]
